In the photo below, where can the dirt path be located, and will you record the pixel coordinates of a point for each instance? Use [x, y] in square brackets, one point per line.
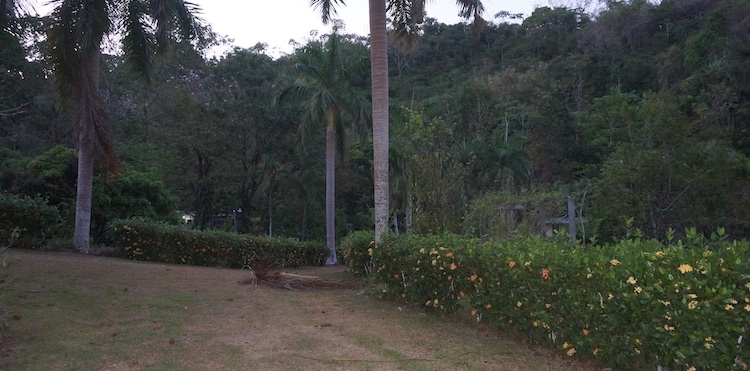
[66, 311]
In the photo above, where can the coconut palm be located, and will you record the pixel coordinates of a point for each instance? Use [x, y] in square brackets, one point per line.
[75, 36]
[406, 15]
[325, 87]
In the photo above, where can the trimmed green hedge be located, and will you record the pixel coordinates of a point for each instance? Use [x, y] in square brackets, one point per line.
[636, 304]
[33, 217]
[143, 240]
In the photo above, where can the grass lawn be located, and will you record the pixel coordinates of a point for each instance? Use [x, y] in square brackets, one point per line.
[67, 311]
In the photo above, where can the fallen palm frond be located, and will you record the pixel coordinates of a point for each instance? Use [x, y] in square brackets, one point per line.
[298, 282]
[264, 273]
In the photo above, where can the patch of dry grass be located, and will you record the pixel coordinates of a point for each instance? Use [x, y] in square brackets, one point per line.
[74, 312]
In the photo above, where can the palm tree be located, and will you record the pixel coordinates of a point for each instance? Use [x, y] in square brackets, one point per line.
[407, 15]
[326, 88]
[77, 30]
[501, 162]
[380, 123]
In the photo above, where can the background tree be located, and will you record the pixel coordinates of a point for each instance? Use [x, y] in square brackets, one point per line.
[665, 180]
[259, 149]
[434, 171]
[25, 94]
[620, 106]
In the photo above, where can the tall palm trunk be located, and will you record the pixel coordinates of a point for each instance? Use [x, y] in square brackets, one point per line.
[330, 192]
[379, 67]
[84, 188]
[89, 111]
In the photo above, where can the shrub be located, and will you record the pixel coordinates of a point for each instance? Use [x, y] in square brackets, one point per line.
[423, 270]
[356, 251]
[132, 194]
[139, 239]
[683, 305]
[33, 217]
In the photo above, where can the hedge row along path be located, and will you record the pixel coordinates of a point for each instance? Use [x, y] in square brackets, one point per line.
[66, 311]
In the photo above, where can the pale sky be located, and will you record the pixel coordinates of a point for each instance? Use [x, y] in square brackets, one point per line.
[276, 22]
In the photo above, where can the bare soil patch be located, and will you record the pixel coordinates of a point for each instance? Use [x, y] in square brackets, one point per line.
[66, 311]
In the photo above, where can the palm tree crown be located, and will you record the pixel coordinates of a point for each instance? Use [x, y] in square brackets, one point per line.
[325, 85]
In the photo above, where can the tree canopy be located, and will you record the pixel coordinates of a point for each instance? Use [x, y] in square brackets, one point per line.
[639, 112]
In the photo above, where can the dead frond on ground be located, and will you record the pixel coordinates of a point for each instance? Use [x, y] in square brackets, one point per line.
[264, 271]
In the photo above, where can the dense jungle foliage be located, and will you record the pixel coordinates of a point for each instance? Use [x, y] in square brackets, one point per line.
[639, 111]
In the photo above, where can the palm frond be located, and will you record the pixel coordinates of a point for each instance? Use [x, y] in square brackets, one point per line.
[310, 72]
[188, 20]
[294, 94]
[318, 105]
[93, 23]
[333, 56]
[10, 12]
[7, 14]
[265, 271]
[62, 52]
[137, 43]
[93, 119]
[417, 11]
[171, 15]
[472, 9]
[405, 29]
[94, 128]
[327, 8]
[359, 113]
[354, 67]
[164, 21]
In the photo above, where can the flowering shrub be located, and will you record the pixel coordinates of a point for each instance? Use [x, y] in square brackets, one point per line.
[142, 240]
[637, 304]
[356, 252]
[422, 270]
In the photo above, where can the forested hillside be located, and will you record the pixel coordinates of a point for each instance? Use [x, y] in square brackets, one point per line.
[640, 114]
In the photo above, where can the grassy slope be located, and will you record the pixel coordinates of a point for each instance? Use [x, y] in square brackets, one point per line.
[73, 312]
